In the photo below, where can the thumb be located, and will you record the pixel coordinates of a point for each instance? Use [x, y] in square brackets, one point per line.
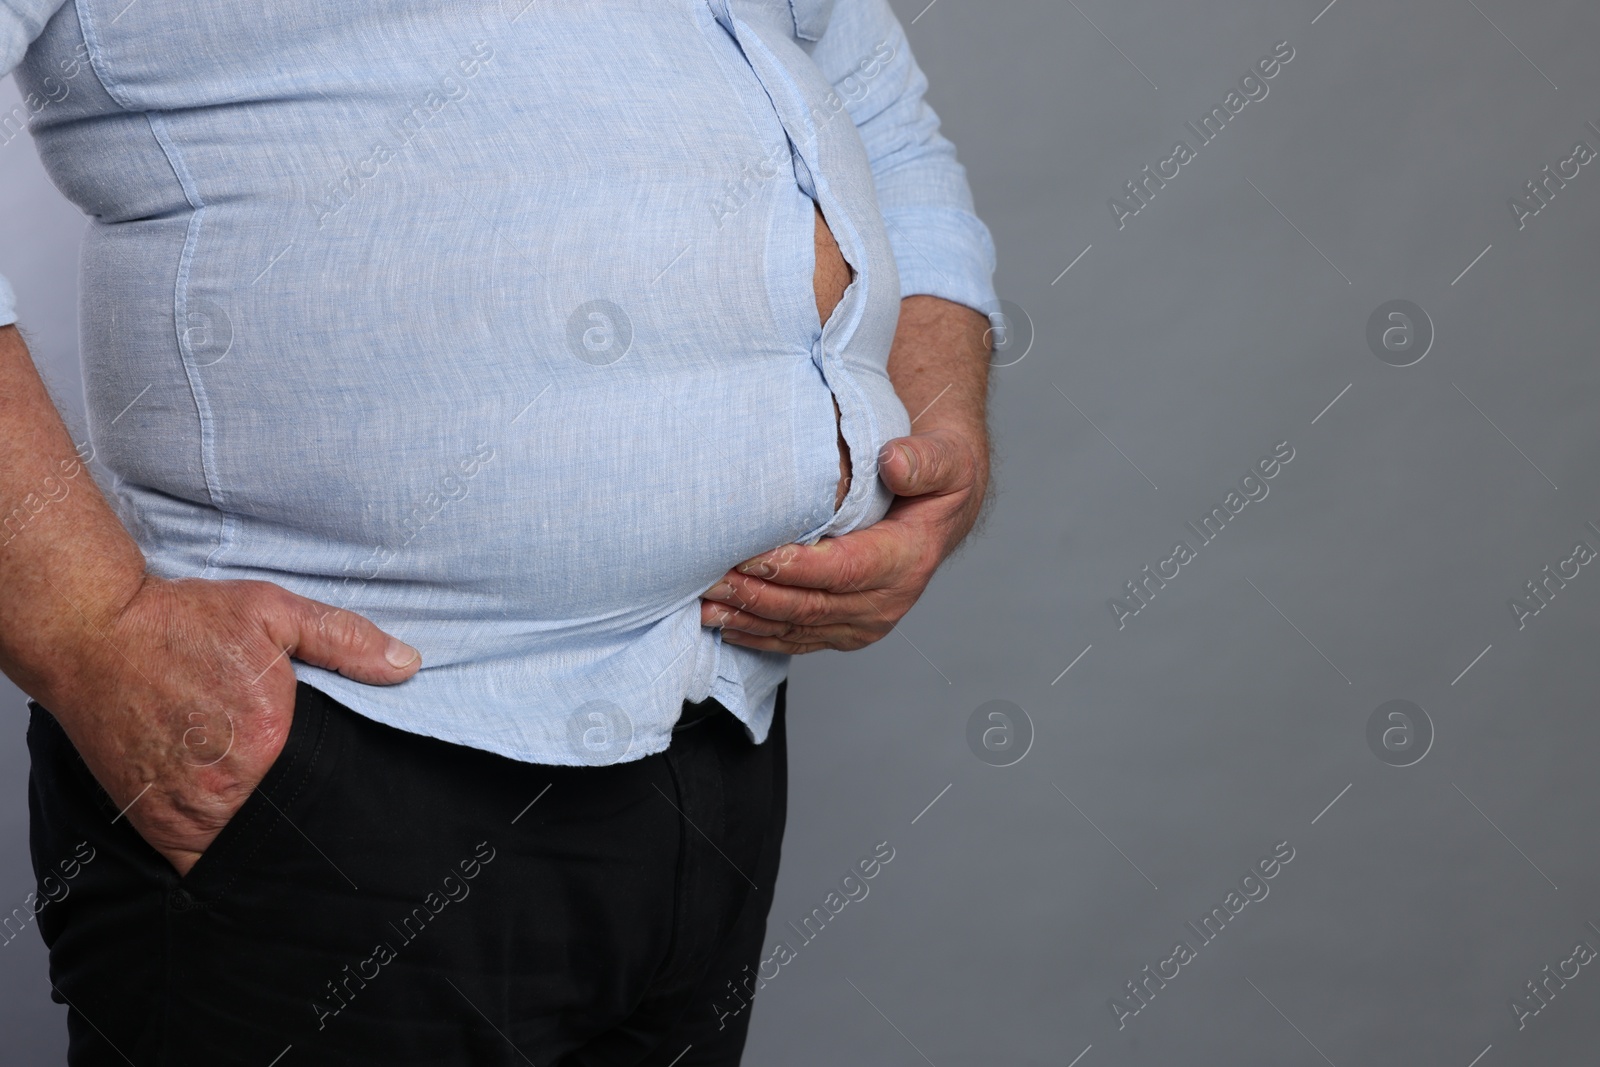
[343, 641]
[924, 463]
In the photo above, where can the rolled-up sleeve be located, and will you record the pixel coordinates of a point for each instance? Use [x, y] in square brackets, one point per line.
[21, 22]
[941, 247]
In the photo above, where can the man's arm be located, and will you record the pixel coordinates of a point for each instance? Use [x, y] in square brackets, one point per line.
[850, 591]
[178, 695]
[66, 562]
[939, 366]
[940, 245]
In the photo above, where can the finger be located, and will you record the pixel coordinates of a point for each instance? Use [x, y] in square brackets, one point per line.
[934, 462]
[772, 644]
[797, 605]
[729, 619]
[864, 559]
[341, 641]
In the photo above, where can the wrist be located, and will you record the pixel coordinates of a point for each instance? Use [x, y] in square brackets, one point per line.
[59, 624]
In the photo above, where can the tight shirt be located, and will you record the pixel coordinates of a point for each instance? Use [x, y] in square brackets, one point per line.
[493, 322]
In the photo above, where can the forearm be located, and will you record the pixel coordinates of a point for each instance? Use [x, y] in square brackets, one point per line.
[939, 366]
[66, 562]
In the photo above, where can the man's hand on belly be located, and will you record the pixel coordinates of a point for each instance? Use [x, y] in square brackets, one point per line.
[847, 592]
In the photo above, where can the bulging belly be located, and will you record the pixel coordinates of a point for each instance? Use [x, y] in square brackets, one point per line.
[556, 375]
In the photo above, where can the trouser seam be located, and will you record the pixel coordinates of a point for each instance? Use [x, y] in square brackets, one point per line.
[681, 875]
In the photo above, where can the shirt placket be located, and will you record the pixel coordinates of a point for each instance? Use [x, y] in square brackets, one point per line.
[799, 123]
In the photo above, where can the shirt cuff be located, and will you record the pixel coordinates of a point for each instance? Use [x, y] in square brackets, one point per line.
[8, 303]
[944, 252]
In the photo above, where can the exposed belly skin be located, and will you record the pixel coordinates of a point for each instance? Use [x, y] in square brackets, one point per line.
[829, 281]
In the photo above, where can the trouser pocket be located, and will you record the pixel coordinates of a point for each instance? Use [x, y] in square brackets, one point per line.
[267, 810]
[112, 905]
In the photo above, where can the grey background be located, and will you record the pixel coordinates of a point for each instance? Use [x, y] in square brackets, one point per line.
[1232, 711]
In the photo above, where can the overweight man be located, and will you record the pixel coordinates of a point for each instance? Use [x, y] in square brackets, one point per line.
[485, 402]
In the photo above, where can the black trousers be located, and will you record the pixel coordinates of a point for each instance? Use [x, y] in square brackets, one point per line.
[386, 898]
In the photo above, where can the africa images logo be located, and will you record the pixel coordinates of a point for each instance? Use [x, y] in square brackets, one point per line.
[1252, 87]
[1253, 488]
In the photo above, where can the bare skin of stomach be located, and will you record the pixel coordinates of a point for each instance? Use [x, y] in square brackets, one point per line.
[833, 275]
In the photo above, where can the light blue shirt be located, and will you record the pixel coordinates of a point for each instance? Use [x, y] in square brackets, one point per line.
[494, 322]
